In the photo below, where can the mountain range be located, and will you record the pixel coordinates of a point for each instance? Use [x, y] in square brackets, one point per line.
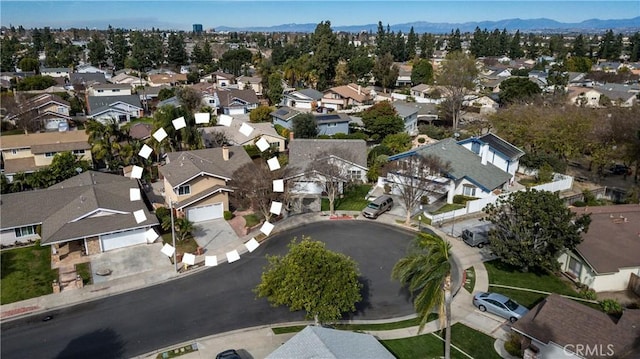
[524, 25]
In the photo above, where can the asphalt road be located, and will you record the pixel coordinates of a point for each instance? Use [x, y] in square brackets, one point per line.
[211, 301]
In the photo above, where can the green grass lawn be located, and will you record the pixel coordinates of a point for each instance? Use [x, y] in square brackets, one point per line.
[472, 342]
[187, 246]
[84, 270]
[448, 208]
[251, 219]
[26, 273]
[470, 283]
[500, 273]
[353, 200]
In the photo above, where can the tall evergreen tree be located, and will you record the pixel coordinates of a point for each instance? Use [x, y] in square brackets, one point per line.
[325, 57]
[579, 47]
[176, 52]
[412, 43]
[427, 46]
[97, 51]
[454, 41]
[119, 49]
[515, 49]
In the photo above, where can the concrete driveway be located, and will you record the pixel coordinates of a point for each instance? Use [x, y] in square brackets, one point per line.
[124, 262]
[216, 236]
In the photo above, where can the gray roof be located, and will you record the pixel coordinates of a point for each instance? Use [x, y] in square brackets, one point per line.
[235, 137]
[331, 118]
[405, 109]
[285, 113]
[60, 208]
[183, 166]
[463, 163]
[304, 151]
[87, 78]
[311, 93]
[501, 145]
[101, 103]
[171, 101]
[318, 342]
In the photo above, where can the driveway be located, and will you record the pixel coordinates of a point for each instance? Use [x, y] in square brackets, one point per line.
[124, 262]
[216, 236]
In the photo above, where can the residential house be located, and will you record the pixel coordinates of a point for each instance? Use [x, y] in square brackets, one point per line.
[468, 174]
[559, 327]
[404, 74]
[597, 97]
[140, 131]
[618, 95]
[332, 123]
[55, 71]
[105, 89]
[90, 69]
[308, 157]
[119, 108]
[232, 133]
[326, 343]
[250, 82]
[86, 79]
[421, 90]
[493, 149]
[585, 97]
[230, 101]
[427, 112]
[304, 99]
[343, 97]
[408, 112]
[283, 116]
[93, 210]
[48, 111]
[608, 255]
[30, 152]
[485, 104]
[607, 66]
[166, 79]
[132, 81]
[195, 182]
[221, 79]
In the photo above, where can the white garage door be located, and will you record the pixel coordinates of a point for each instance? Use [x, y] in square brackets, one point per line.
[205, 213]
[123, 239]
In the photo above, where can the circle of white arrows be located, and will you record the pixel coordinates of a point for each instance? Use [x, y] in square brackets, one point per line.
[204, 118]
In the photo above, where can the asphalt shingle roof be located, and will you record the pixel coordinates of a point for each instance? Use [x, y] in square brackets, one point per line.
[462, 163]
[304, 151]
[501, 145]
[100, 103]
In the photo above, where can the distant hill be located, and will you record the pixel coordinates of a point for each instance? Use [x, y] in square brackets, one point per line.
[525, 25]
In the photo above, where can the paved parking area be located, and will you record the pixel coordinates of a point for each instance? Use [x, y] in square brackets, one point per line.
[129, 261]
[216, 236]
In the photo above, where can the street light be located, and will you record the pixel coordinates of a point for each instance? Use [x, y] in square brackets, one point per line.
[173, 237]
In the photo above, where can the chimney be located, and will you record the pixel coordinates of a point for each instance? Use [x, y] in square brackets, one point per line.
[359, 90]
[291, 135]
[484, 152]
[225, 153]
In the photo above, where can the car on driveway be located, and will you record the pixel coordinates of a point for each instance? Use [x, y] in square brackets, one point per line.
[228, 354]
[500, 305]
[378, 207]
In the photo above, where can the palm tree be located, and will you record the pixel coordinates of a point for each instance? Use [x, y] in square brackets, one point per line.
[427, 272]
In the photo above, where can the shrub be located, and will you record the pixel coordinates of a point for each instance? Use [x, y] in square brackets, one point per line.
[424, 200]
[421, 140]
[545, 173]
[587, 293]
[579, 204]
[462, 199]
[611, 306]
[228, 215]
[162, 213]
[512, 345]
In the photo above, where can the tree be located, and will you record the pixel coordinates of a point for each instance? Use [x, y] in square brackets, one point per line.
[360, 66]
[235, 61]
[331, 172]
[381, 120]
[413, 179]
[422, 72]
[457, 76]
[261, 114]
[274, 89]
[66, 165]
[397, 142]
[253, 187]
[532, 228]
[515, 49]
[454, 42]
[385, 71]
[97, 51]
[29, 64]
[412, 43]
[325, 56]
[516, 89]
[182, 226]
[426, 270]
[176, 52]
[119, 49]
[312, 278]
[37, 82]
[305, 126]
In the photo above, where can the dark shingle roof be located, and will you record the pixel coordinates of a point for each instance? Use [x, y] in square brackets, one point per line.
[501, 146]
[285, 113]
[314, 94]
[182, 166]
[87, 78]
[332, 118]
[100, 103]
[462, 163]
[564, 321]
[304, 151]
[61, 208]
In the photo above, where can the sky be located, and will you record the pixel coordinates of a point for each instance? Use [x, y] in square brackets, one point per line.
[180, 15]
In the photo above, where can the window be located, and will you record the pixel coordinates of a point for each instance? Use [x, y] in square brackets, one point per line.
[13, 152]
[355, 174]
[50, 154]
[184, 190]
[100, 91]
[25, 231]
[115, 90]
[78, 152]
[475, 147]
[61, 109]
[332, 124]
[575, 266]
[469, 190]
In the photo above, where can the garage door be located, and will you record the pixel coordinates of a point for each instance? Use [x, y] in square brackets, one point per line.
[123, 239]
[205, 213]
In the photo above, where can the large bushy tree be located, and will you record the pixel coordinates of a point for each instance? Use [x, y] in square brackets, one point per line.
[312, 278]
[457, 75]
[381, 120]
[532, 228]
[305, 126]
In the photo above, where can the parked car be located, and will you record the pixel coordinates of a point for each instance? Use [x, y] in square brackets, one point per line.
[620, 169]
[477, 236]
[500, 305]
[378, 207]
[228, 354]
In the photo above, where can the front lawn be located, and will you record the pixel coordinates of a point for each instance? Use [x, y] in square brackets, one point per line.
[353, 200]
[251, 220]
[471, 341]
[26, 273]
[448, 208]
[500, 273]
[187, 246]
